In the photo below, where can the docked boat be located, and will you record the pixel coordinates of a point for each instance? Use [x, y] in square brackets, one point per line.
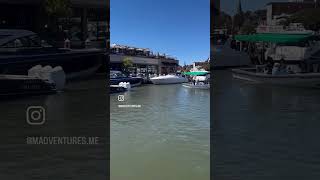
[116, 77]
[168, 79]
[21, 50]
[308, 80]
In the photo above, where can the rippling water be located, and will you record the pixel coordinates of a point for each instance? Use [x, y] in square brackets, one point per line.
[264, 133]
[167, 138]
[79, 111]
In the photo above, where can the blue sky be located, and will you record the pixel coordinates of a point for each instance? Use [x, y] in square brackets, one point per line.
[229, 6]
[175, 27]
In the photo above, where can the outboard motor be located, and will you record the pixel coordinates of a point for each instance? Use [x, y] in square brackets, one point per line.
[58, 76]
[35, 71]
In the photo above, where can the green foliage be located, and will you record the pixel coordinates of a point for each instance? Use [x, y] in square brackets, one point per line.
[248, 28]
[58, 8]
[127, 64]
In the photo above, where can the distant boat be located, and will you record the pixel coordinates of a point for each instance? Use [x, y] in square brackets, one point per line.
[201, 78]
[169, 79]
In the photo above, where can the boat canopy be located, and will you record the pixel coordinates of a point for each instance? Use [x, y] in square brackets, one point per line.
[274, 38]
[197, 73]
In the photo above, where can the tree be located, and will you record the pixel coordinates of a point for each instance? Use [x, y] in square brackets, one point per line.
[127, 64]
[206, 66]
[57, 9]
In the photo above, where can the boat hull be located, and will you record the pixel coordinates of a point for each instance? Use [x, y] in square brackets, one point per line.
[310, 80]
[75, 63]
[168, 81]
[13, 86]
[134, 82]
[191, 86]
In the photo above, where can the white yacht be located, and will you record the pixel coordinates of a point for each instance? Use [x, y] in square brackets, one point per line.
[168, 79]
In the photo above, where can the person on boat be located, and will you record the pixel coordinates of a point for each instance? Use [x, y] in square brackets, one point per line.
[269, 65]
[275, 69]
[283, 67]
[194, 80]
[279, 68]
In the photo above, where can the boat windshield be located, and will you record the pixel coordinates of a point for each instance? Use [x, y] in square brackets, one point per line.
[32, 41]
[117, 75]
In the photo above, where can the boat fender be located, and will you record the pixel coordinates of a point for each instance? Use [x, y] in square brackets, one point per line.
[45, 73]
[35, 71]
[53, 75]
[58, 76]
[125, 85]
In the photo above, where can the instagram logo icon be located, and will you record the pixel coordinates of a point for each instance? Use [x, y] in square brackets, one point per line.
[36, 115]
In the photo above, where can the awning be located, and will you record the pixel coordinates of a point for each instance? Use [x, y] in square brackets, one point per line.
[195, 73]
[274, 38]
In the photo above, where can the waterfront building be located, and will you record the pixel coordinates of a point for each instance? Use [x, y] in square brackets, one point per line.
[144, 61]
[276, 11]
[87, 20]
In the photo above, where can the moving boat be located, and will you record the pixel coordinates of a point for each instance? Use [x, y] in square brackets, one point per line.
[293, 60]
[116, 77]
[21, 50]
[201, 79]
[168, 79]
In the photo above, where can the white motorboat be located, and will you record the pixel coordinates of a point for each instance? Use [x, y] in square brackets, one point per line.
[309, 80]
[168, 79]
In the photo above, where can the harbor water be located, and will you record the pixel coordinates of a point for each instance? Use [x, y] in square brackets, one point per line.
[161, 133]
[262, 132]
[79, 111]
